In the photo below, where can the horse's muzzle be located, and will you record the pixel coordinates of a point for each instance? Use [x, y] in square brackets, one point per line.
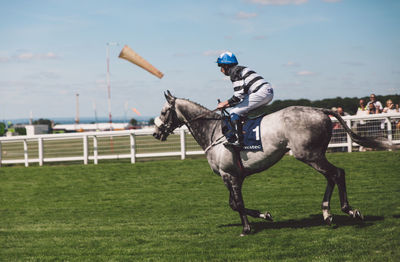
[159, 136]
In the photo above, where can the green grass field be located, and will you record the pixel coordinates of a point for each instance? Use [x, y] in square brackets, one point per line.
[178, 211]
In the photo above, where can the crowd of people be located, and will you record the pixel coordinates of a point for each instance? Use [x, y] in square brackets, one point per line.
[375, 107]
[373, 127]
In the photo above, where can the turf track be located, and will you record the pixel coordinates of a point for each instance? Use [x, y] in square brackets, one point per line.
[178, 211]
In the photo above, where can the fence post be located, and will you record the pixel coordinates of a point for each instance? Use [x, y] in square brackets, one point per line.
[183, 144]
[349, 141]
[85, 150]
[26, 153]
[95, 153]
[40, 148]
[389, 130]
[133, 148]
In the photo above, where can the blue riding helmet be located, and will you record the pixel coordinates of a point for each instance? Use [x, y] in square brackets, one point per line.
[227, 58]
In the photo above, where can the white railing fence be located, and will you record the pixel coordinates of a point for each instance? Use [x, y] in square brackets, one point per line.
[379, 125]
[133, 144]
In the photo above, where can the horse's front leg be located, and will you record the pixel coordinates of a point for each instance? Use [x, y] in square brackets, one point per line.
[236, 202]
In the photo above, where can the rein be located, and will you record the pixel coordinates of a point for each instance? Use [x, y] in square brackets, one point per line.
[201, 116]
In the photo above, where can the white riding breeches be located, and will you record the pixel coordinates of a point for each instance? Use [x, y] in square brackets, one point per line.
[262, 97]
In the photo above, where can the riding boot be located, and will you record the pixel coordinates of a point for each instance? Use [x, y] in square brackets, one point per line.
[238, 142]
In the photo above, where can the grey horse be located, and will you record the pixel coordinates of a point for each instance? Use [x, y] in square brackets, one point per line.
[306, 131]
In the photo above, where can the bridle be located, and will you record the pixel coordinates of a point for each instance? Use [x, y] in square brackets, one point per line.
[168, 127]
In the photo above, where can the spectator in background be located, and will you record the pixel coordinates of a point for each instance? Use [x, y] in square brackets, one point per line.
[341, 112]
[374, 125]
[390, 108]
[361, 126]
[398, 123]
[362, 108]
[378, 105]
[372, 109]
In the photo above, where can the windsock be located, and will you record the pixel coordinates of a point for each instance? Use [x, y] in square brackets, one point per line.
[128, 54]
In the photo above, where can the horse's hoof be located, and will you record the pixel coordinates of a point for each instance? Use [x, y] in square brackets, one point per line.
[358, 215]
[268, 216]
[328, 220]
[245, 232]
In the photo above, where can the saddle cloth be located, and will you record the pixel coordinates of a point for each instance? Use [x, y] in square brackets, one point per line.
[251, 133]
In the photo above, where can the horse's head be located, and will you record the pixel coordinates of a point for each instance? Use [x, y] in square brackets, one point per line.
[168, 121]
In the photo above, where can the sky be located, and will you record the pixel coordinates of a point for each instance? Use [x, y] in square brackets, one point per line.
[52, 50]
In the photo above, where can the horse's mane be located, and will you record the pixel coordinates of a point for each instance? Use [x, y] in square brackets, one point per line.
[197, 104]
[203, 108]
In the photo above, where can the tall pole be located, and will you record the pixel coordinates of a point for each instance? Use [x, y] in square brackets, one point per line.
[77, 109]
[108, 81]
[95, 114]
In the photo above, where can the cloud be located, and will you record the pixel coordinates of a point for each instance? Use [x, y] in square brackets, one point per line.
[244, 15]
[28, 56]
[305, 73]
[291, 64]
[32, 56]
[278, 2]
[24, 56]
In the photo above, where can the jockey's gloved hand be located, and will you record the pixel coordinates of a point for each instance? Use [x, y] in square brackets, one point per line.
[223, 105]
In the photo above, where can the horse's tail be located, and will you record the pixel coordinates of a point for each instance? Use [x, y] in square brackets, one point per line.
[369, 142]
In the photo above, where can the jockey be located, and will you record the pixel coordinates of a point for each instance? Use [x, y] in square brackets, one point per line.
[250, 91]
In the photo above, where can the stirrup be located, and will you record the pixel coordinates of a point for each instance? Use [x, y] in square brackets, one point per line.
[235, 144]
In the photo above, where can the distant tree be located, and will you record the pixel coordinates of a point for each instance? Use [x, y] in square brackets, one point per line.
[42, 121]
[133, 122]
[151, 121]
[2, 128]
[20, 131]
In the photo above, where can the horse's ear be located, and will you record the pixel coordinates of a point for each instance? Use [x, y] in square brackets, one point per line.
[170, 98]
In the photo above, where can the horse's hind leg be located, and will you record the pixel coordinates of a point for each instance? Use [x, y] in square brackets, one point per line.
[326, 201]
[333, 175]
[330, 185]
[346, 208]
